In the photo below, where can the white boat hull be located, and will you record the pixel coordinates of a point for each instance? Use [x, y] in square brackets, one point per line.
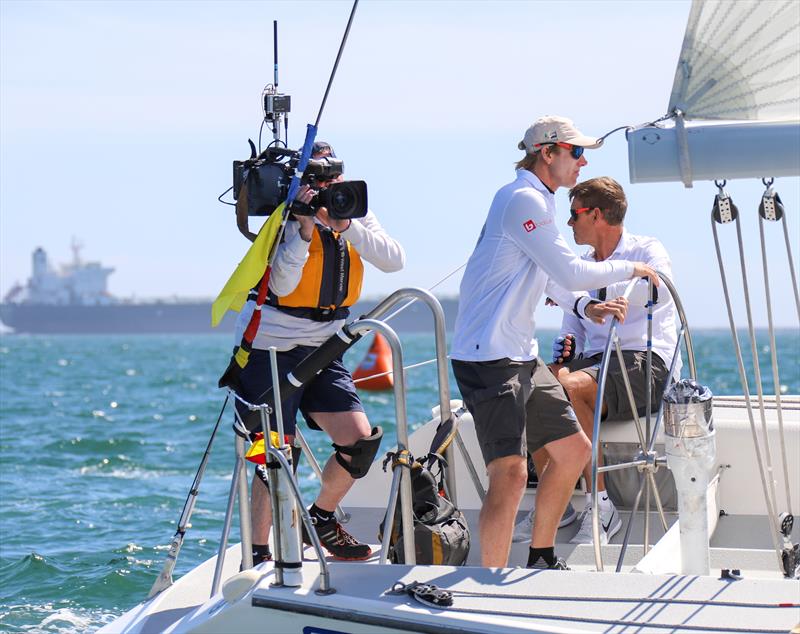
[516, 599]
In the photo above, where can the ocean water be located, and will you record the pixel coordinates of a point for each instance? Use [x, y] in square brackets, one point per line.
[100, 438]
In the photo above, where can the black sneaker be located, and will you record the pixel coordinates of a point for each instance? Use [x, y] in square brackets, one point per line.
[337, 541]
[260, 559]
[260, 555]
[541, 564]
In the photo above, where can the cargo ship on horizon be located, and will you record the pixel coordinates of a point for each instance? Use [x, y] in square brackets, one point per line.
[74, 299]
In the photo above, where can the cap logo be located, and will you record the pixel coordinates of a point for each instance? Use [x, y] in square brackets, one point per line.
[529, 225]
[552, 135]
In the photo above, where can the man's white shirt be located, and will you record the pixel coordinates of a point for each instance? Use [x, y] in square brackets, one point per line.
[519, 256]
[591, 338]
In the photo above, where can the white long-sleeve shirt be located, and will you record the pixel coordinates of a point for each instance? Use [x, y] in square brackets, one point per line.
[285, 331]
[591, 338]
[519, 255]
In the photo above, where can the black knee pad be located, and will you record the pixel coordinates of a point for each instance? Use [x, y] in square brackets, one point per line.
[362, 453]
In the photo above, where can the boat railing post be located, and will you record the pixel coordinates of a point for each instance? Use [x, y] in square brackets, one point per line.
[440, 342]
[272, 477]
[388, 518]
[277, 458]
[324, 574]
[406, 516]
[289, 558]
[245, 522]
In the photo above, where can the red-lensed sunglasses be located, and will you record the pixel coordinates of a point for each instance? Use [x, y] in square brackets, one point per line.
[573, 213]
[575, 151]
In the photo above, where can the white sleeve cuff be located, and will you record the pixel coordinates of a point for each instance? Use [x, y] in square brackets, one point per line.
[354, 233]
[582, 304]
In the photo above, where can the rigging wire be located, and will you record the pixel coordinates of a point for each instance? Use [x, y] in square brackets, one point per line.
[406, 305]
[771, 200]
[764, 471]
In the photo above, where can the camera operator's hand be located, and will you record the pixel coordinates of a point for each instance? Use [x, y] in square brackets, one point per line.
[304, 194]
[322, 212]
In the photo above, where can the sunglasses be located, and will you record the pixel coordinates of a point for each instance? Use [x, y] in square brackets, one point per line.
[575, 151]
[573, 213]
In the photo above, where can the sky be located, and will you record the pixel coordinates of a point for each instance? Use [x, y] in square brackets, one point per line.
[119, 122]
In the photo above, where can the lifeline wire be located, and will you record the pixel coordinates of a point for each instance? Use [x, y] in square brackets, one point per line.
[404, 306]
[397, 312]
[405, 367]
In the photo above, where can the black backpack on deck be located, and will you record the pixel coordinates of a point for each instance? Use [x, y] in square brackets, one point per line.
[441, 534]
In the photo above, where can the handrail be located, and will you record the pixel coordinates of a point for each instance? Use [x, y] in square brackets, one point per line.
[406, 516]
[440, 344]
[647, 462]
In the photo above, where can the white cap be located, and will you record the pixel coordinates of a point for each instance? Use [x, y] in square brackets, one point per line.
[551, 129]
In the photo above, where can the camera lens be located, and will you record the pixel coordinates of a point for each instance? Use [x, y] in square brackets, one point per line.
[342, 201]
[346, 200]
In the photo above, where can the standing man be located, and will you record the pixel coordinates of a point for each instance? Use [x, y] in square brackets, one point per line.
[316, 274]
[597, 213]
[510, 393]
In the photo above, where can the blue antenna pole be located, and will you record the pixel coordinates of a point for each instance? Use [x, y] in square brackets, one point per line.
[311, 130]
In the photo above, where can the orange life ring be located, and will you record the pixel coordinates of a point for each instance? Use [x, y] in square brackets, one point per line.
[377, 361]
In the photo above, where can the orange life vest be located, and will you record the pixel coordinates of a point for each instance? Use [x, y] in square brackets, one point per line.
[331, 279]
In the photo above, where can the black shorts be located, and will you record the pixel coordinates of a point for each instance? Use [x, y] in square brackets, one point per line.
[517, 406]
[616, 396]
[332, 390]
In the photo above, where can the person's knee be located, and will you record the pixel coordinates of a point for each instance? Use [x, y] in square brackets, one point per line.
[586, 445]
[579, 386]
[574, 449]
[357, 457]
[571, 383]
[508, 472]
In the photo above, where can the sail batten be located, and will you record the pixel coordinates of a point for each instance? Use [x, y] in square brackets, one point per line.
[739, 60]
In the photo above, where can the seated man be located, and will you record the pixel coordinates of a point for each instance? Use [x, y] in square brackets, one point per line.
[596, 217]
[316, 275]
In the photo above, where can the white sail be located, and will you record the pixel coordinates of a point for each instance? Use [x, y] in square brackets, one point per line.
[740, 60]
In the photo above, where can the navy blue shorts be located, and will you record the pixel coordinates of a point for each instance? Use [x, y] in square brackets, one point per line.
[332, 390]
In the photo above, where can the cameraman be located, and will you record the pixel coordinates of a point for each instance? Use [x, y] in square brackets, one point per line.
[316, 274]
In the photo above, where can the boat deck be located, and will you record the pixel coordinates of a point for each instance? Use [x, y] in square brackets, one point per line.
[511, 600]
[732, 545]
[521, 600]
[515, 599]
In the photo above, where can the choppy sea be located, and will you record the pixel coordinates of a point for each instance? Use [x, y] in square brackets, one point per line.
[100, 439]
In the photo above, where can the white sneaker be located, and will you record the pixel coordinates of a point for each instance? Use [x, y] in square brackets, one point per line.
[524, 528]
[610, 523]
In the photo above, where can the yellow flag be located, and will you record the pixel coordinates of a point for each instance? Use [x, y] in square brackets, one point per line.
[256, 451]
[250, 270]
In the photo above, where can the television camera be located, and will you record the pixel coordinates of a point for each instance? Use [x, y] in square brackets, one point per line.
[268, 175]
